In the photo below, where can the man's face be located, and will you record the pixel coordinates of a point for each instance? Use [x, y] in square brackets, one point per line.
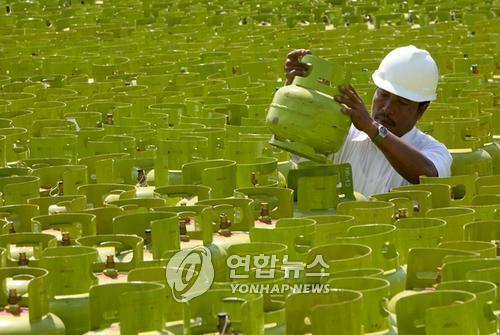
[397, 114]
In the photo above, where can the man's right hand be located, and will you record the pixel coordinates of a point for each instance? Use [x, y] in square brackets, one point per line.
[293, 66]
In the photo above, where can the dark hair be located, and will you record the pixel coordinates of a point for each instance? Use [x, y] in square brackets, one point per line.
[422, 106]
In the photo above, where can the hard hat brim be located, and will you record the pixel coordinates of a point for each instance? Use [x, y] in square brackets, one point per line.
[399, 90]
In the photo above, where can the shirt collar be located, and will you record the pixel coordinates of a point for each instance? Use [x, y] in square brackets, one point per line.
[409, 135]
[362, 136]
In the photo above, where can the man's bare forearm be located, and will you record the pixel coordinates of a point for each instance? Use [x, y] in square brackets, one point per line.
[404, 158]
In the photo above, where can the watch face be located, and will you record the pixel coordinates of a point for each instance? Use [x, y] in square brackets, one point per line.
[382, 131]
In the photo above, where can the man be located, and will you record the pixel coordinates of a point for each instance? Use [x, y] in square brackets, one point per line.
[385, 149]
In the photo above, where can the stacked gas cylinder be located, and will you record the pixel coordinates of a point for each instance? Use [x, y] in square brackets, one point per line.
[139, 191]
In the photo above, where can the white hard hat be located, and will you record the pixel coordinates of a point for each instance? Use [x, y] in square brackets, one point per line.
[408, 72]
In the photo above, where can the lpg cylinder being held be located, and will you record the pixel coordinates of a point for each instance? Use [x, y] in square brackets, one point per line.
[304, 116]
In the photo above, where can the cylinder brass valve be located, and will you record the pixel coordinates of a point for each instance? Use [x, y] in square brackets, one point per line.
[12, 301]
[474, 69]
[439, 274]
[224, 225]
[23, 259]
[147, 239]
[264, 213]
[183, 222]
[109, 119]
[416, 208]
[253, 179]
[109, 268]
[12, 230]
[224, 324]
[141, 178]
[401, 214]
[66, 239]
[60, 188]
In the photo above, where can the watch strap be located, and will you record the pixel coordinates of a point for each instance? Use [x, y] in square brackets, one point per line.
[381, 134]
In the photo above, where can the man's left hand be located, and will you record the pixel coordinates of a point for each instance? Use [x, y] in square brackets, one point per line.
[354, 106]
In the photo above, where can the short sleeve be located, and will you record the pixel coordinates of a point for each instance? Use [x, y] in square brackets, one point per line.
[438, 154]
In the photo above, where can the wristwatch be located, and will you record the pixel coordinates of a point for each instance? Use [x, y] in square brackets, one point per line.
[381, 134]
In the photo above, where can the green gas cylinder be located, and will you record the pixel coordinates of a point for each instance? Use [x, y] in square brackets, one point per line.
[485, 230]
[493, 149]
[487, 123]
[230, 219]
[158, 274]
[456, 218]
[68, 282]
[485, 249]
[197, 228]
[318, 189]
[296, 233]
[338, 309]
[159, 230]
[269, 203]
[24, 314]
[340, 257]
[424, 270]
[117, 254]
[485, 294]
[128, 308]
[264, 261]
[408, 203]
[368, 212]
[25, 249]
[469, 160]
[417, 233]
[382, 240]
[375, 298]
[304, 116]
[218, 310]
[439, 312]
[183, 194]
[461, 137]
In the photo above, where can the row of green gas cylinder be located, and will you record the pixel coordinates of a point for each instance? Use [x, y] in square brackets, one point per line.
[59, 96]
[131, 131]
[431, 264]
[404, 261]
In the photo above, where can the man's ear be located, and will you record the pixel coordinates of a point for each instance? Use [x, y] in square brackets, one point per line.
[421, 108]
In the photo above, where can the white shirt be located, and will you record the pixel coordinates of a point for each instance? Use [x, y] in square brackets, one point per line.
[372, 173]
